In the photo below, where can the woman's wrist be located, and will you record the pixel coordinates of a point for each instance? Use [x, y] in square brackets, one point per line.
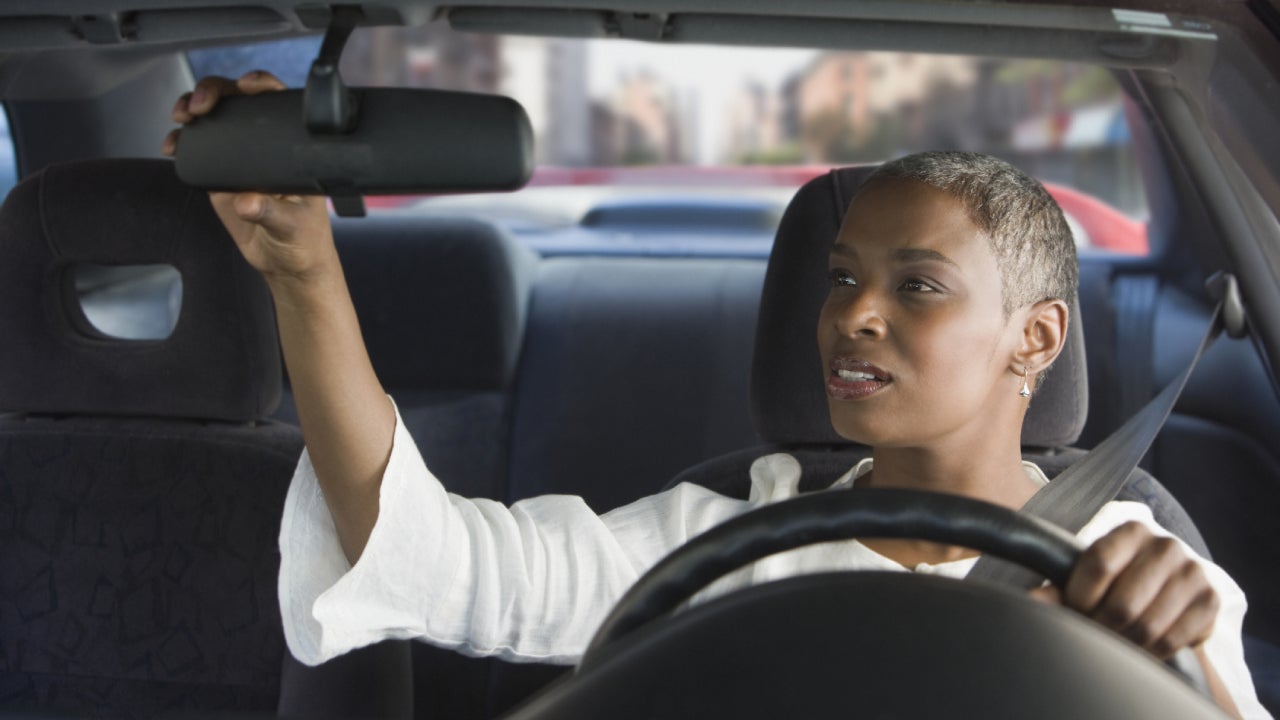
[1217, 688]
[304, 289]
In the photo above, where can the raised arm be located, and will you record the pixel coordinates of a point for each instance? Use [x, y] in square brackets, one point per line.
[347, 420]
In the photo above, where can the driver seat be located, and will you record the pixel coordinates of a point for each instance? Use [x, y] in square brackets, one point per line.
[788, 402]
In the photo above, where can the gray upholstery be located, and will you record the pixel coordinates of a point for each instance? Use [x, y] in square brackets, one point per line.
[632, 370]
[442, 302]
[788, 402]
[140, 561]
[221, 361]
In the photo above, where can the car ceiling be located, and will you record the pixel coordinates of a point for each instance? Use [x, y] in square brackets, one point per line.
[30, 24]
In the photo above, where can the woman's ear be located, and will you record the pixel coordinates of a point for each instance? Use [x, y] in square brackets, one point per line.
[1044, 333]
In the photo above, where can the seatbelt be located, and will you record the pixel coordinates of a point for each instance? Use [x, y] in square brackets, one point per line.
[1135, 313]
[1077, 493]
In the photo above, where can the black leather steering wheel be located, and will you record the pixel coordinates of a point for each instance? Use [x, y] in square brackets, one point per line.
[840, 515]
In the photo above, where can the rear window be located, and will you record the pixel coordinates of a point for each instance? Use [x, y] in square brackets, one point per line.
[645, 142]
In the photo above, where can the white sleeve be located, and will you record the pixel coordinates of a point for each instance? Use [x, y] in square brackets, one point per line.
[1224, 647]
[531, 582]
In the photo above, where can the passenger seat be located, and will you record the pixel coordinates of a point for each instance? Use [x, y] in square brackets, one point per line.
[140, 484]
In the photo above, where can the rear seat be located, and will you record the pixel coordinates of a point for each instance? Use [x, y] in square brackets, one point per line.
[633, 369]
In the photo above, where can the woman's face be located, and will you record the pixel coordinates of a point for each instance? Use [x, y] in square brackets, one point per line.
[913, 336]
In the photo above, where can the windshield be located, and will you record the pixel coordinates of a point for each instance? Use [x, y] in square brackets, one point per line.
[701, 147]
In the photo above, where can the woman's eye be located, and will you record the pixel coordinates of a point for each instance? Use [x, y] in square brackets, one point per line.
[916, 286]
[842, 277]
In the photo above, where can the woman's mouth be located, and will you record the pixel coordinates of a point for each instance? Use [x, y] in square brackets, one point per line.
[854, 379]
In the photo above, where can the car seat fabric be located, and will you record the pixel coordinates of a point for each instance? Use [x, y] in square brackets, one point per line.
[788, 402]
[633, 369]
[140, 489]
[220, 363]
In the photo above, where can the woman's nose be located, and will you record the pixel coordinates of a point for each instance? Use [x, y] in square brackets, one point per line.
[859, 314]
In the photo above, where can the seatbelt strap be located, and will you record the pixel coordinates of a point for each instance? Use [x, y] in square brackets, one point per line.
[1077, 493]
[1135, 312]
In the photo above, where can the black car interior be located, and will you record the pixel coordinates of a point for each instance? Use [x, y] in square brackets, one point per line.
[141, 482]
[499, 395]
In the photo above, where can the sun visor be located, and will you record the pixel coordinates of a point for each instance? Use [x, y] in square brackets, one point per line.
[401, 141]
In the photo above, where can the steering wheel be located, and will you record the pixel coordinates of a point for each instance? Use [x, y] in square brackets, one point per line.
[822, 517]
[878, 645]
[870, 512]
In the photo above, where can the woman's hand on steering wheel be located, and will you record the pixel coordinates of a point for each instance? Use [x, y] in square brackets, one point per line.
[1144, 587]
[1147, 588]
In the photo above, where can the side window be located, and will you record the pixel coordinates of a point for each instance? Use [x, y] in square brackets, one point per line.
[8, 158]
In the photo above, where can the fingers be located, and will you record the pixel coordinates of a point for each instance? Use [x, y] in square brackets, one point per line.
[170, 145]
[203, 98]
[1182, 615]
[1144, 587]
[1046, 594]
[277, 214]
[206, 94]
[266, 211]
[209, 90]
[1132, 591]
[252, 83]
[180, 113]
[1100, 565]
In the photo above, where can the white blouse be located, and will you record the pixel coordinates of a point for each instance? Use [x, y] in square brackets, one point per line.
[532, 582]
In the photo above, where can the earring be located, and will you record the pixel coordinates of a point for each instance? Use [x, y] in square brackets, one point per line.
[1025, 391]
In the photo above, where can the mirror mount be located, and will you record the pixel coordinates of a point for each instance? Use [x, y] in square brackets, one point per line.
[329, 107]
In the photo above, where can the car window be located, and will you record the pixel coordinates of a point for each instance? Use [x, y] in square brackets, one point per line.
[130, 302]
[647, 146]
[8, 158]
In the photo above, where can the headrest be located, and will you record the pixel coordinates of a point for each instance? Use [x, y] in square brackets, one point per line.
[441, 302]
[222, 360]
[788, 401]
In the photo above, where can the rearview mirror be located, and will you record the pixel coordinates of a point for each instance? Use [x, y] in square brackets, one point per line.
[405, 141]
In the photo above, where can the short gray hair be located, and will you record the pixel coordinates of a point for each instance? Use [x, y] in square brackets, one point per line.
[1032, 242]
